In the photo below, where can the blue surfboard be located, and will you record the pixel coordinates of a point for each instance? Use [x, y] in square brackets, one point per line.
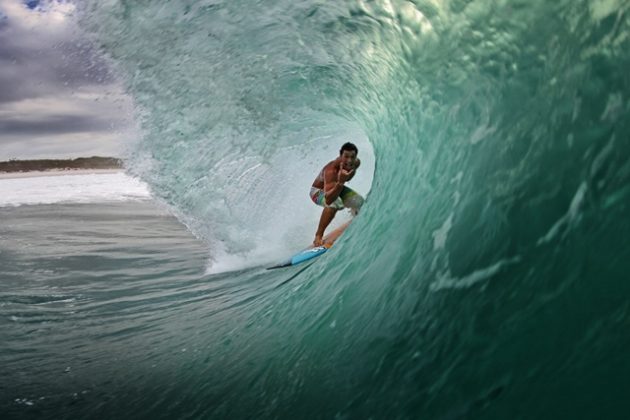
[302, 256]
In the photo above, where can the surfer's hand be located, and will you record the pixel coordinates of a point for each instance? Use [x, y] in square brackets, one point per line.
[343, 175]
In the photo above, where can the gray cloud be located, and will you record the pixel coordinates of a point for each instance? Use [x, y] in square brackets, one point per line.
[55, 124]
[30, 72]
[53, 82]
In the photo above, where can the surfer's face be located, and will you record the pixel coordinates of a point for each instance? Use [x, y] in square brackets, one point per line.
[348, 159]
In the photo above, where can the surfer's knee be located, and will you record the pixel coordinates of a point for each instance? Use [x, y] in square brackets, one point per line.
[354, 203]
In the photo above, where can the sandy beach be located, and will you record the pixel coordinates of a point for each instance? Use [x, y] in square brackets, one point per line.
[57, 172]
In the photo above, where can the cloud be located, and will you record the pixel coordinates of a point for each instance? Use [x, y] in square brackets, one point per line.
[52, 81]
[106, 143]
[84, 123]
[54, 124]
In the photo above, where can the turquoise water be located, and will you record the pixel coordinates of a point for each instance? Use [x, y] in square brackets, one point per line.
[486, 276]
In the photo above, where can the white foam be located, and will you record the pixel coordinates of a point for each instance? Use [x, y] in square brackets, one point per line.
[72, 187]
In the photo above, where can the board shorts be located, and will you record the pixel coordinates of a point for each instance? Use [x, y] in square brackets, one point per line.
[348, 198]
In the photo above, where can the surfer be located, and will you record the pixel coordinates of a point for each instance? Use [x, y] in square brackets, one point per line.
[329, 190]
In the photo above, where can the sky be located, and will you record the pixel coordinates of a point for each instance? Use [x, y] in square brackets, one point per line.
[58, 98]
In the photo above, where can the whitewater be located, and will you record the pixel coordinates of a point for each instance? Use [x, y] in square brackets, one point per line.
[33, 188]
[485, 277]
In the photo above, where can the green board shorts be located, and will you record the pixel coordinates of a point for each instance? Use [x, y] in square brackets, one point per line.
[348, 198]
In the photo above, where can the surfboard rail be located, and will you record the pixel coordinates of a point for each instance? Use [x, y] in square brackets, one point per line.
[313, 251]
[302, 256]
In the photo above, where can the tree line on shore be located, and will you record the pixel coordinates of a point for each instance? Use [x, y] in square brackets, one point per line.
[94, 162]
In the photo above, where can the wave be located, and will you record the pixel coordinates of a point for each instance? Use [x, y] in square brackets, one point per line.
[495, 227]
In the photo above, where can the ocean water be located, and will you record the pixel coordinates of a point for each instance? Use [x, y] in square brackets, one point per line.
[486, 276]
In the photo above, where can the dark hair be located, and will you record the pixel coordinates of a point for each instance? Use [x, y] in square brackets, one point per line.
[349, 147]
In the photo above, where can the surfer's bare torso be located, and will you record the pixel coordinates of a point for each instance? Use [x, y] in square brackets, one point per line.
[336, 171]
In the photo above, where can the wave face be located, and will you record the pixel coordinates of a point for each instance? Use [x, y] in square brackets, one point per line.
[487, 273]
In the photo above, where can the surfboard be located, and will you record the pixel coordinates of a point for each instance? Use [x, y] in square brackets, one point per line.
[312, 252]
[303, 256]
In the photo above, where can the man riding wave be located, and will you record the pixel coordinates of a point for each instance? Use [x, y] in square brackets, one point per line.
[330, 192]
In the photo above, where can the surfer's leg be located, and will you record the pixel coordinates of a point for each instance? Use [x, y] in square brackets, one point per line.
[328, 214]
[351, 199]
[332, 236]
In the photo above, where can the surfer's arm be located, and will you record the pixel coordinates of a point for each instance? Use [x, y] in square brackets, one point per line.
[332, 186]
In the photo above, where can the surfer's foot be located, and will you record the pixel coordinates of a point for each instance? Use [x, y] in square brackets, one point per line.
[318, 241]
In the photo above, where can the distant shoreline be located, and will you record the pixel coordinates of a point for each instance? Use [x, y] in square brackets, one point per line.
[57, 172]
[54, 165]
